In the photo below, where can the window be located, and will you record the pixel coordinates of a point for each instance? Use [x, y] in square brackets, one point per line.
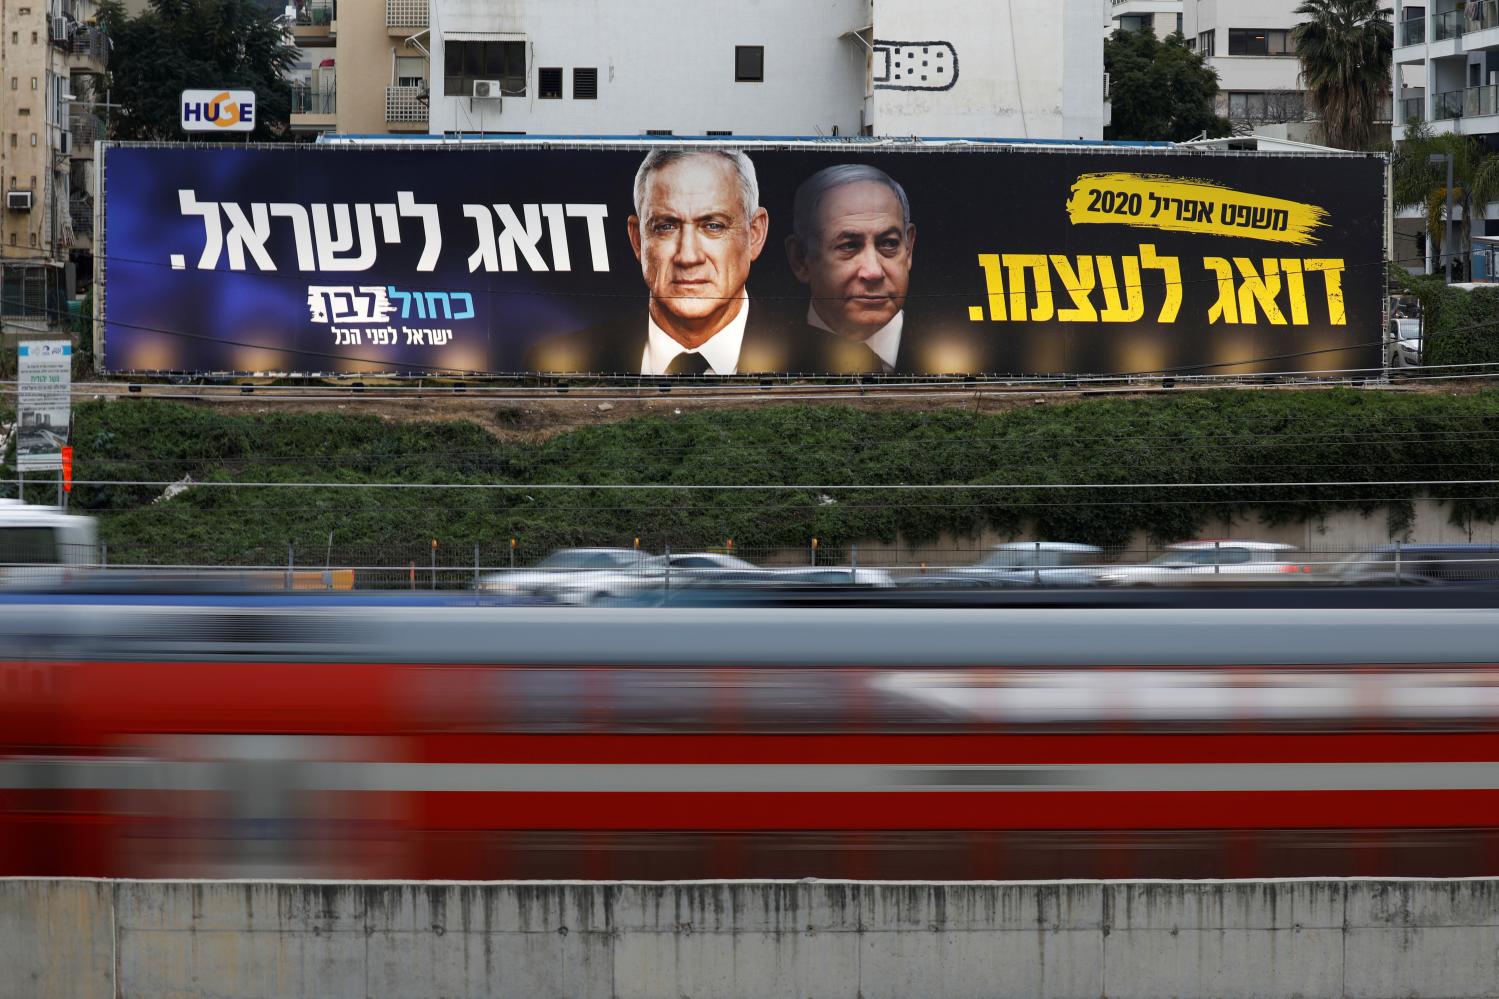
[33, 83]
[23, 111]
[29, 546]
[1133, 22]
[411, 71]
[549, 83]
[1260, 42]
[33, 138]
[465, 62]
[658, 131]
[1205, 44]
[1178, 24]
[749, 63]
[717, 132]
[15, 83]
[585, 84]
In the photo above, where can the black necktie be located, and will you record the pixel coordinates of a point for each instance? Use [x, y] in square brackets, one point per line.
[687, 364]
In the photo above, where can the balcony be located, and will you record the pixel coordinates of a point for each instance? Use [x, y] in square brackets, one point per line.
[1447, 105]
[1480, 15]
[316, 22]
[1412, 110]
[1448, 25]
[90, 46]
[1413, 31]
[306, 100]
[81, 211]
[1481, 100]
[86, 127]
[316, 13]
[404, 14]
[405, 105]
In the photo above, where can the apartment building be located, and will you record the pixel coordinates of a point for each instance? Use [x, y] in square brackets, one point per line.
[995, 68]
[362, 66]
[1161, 16]
[50, 113]
[1446, 74]
[1248, 42]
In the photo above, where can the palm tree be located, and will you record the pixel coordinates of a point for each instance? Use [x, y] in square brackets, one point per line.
[1345, 49]
[1417, 182]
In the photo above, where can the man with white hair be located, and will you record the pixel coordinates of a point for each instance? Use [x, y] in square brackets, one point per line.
[697, 228]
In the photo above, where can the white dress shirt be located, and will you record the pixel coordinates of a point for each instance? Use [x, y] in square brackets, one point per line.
[885, 343]
[721, 351]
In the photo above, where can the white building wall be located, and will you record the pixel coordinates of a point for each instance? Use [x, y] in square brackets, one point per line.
[663, 64]
[1027, 69]
[1163, 14]
[1245, 73]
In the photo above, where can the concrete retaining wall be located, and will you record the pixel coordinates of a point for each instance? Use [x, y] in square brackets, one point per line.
[79, 939]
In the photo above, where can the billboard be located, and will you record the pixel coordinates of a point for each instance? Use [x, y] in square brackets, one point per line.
[44, 407]
[653, 258]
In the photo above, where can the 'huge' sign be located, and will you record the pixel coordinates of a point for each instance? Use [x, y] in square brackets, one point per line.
[218, 110]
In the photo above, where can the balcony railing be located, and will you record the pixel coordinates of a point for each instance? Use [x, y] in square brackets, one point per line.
[1481, 100]
[90, 42]
[81, 211]
[1449, 25]
[406, 13]
[1447, 105]
[316, 13]
[1412, 110]
[305, 100]
[86, 127]
[404, 104]
[1413, 31]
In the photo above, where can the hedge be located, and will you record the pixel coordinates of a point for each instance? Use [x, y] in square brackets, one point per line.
[1208, 437]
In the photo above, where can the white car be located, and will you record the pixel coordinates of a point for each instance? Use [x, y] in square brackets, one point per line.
[563, 569]
[1192, 563]
[585, 576]
[1035, 563]
[1403, 343]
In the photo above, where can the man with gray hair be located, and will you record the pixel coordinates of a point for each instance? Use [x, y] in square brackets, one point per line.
[697, 228]
[852, 243]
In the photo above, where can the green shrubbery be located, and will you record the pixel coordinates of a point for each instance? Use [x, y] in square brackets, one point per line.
[1212, 437]
[1461, 327]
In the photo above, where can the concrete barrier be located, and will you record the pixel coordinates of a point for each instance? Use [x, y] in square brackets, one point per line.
[860, 940]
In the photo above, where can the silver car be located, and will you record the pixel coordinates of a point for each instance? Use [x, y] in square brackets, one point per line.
[1035, 563]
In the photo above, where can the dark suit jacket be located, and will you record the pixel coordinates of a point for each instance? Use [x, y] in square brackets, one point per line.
[616, 347]
[922, 351]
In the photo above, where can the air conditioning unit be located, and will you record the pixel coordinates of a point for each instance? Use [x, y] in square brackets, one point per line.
[60, 26]
[487, 89]
[18, 201]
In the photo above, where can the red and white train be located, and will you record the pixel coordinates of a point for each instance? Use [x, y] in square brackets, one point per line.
[221, 737]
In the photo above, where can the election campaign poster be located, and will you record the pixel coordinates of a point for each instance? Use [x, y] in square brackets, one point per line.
[670, 257]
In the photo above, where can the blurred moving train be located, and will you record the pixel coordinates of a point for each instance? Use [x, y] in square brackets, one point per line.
[347, 737]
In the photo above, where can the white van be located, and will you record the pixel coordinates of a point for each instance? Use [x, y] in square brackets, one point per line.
[42, 546]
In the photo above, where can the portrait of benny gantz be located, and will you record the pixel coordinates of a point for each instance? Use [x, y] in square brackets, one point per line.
[697, 229]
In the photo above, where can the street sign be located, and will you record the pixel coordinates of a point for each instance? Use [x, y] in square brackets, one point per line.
[218, 110]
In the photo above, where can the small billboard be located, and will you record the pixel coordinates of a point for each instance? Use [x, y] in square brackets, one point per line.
[45, 373]
[218, 110]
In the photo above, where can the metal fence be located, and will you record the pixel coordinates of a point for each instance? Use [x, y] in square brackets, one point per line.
[592, 575]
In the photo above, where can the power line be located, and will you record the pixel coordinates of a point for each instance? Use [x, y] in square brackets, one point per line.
[775, 487]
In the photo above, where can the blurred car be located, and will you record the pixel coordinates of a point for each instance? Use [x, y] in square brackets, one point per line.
[1403, 343]
[645, 573]
[1036, 563]
[953, 581]
[40, 546]
[556, 569]
[832, 575]
[1190, 563]
[1421, 565]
